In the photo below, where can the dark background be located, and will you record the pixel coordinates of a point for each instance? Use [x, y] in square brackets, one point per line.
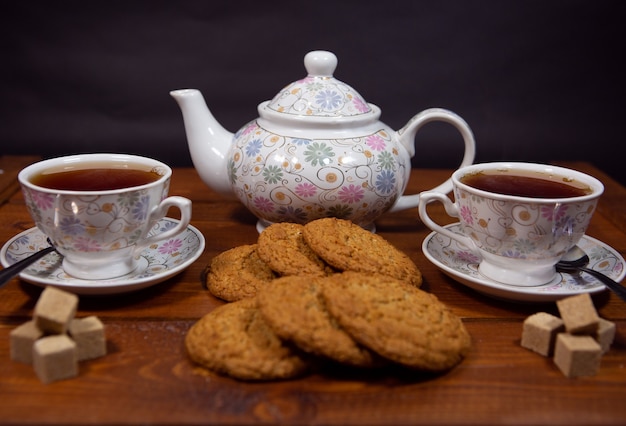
[535, 80]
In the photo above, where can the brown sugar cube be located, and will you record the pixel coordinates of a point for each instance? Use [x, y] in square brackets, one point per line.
[576, 355]
[54, 310]
[539, 332]
[54, 358]
[579, 314]
[605, 334]
[88, 333]
[22, 340]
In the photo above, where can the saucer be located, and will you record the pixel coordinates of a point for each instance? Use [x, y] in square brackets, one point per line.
[456, 261]
[156, 263]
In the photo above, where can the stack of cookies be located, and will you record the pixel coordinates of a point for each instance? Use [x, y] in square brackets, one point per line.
[320, 248]
[325, 291]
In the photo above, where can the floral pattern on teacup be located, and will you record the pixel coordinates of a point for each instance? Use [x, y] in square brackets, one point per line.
[92, 223]
[280, 178]
[157, 260]
[462, 263]
[522, 230]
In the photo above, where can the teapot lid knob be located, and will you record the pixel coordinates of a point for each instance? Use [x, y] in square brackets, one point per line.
[320, 63]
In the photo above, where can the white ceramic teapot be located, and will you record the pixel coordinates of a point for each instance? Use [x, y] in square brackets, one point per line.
[317, 149]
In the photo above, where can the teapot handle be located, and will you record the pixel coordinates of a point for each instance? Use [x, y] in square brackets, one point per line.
[406, 136]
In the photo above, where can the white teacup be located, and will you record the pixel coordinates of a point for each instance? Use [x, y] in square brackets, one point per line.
[99, 221]
[519, 238]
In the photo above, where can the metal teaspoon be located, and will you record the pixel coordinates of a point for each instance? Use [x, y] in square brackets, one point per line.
[7, 273]
[576, 260]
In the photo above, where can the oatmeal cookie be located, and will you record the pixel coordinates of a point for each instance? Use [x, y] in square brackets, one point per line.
[237, 273]
[234, 340]
[348, 247]
[397, 320]
[293, 307]
[282, 247]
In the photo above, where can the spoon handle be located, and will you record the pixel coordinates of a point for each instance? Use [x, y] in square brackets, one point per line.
[619, 289]
[7, 273]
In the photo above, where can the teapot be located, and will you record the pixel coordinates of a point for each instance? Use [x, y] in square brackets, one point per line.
[317, 149]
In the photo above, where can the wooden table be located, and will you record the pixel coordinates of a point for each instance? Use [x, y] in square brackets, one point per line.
[146, 377]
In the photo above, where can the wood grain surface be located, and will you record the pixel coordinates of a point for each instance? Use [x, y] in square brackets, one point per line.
[146, 377]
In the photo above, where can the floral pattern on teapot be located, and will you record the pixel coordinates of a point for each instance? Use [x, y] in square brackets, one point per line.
[281, 178]
[317, 149]
[319, 96]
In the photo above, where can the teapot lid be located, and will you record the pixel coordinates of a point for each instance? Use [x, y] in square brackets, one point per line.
[319, 93]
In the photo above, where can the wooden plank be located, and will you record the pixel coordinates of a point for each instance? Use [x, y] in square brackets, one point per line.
[10, 166]
[147, 378]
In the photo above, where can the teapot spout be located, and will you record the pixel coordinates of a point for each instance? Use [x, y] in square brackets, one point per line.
[208, 141]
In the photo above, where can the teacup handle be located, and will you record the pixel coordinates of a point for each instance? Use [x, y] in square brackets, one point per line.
[406, 136]
[181, 203]
[451, 209]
